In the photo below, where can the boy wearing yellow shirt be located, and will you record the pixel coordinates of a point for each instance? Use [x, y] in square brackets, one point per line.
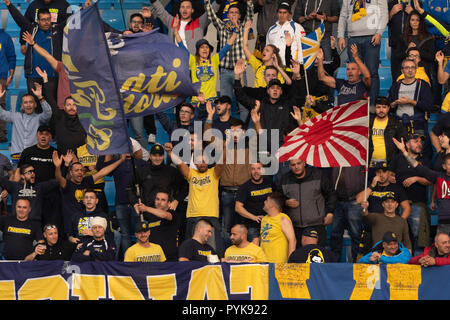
[143, 250]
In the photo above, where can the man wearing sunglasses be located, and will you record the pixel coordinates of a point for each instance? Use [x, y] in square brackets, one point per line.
[54, 247]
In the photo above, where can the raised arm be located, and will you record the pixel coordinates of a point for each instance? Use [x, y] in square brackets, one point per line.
[57, 161]
[362, 67]
[321, 74]
[108, 169]
[161, 13]
[44, 53]
[218, 23]
[21, 21]
[183, 167]
[247, 27]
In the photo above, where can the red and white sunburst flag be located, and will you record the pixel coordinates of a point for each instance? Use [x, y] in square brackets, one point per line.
[336, 138]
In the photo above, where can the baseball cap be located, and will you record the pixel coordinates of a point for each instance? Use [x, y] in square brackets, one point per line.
[415, 136]
[202, 42]
[223, 99]
[141, 226]
[310, 232]
[274, 82]
[389, 237]
[389, 195]
[284, 5]
[157, 149]
[43, 128]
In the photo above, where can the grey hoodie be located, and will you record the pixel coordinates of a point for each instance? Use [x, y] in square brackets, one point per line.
[374, 22]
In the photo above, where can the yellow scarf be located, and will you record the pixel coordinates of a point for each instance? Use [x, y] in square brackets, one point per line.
[359, 10]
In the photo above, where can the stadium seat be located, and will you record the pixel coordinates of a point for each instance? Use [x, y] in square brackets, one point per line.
[19, 56]
[385, 78]
[110, 192]
[11, 26]
[114, 18]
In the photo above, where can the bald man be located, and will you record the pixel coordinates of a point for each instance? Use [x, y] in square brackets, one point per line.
[242, 250]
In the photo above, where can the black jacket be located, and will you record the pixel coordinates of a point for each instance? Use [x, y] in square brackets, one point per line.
[394, 129]
[152, 178]
[62, 250]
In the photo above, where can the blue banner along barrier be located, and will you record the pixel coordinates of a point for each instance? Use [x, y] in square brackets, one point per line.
[59, 280]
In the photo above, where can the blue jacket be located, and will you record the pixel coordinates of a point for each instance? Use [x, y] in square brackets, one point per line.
[403, 255]
[7, 54]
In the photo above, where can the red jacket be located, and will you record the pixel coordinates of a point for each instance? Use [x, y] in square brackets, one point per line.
[439, 261]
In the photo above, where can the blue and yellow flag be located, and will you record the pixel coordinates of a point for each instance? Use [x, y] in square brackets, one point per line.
[152, 72]
[311, 45]
[93, 84]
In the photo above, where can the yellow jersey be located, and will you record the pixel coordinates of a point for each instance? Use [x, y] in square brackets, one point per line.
[251, 252]
[138, 253]
[273, 241]
[203, 194]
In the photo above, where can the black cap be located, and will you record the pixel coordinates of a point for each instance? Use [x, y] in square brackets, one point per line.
[223, 99]
[381, 166]
[43, 128]
[141, 226]
[310, 232]
[202, 42]
[284, 5]
[389, 237]
[389, 195]
[274, 82]
[415, 136]
[157, 149]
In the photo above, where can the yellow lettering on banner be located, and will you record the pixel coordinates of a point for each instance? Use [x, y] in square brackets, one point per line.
[144, 102]
[7, 290]
[88, 287]
[123, 288]
[102, 137]
[207, 280]
[366, 277]
[254, 277]
[53, 287]
[292, 279]
[93, 94]
[162, 287]
[404, 281]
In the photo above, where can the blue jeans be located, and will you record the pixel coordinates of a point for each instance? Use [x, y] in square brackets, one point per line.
[347, 215]
[370, 55]
[127, 219]
[137, 125]
[227, 89]
[414, 222]
[227, 203]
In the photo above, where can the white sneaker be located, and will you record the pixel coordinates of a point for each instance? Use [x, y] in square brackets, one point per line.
[151, 138]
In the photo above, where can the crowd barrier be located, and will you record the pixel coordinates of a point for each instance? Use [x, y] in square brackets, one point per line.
[59, 280]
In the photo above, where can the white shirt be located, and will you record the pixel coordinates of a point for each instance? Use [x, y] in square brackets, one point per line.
[275, 36]
[183, 25]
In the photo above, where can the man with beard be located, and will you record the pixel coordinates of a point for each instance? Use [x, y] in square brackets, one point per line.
[203, 203]
[416, 189]
[383, 128]
[309, 197]
[144, 250]
[242, 250]
[154, 176]
[72, 189]
[28, 188]
[250, 201]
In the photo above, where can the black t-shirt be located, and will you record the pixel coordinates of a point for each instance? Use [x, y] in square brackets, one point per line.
[18, 237]
[41, 160]
[403, 170]
[253, 195]
[164, 233]
[62, 250]
[376, 196]
[438, 161]
[311, 253]
[195, 251]
[72, 200]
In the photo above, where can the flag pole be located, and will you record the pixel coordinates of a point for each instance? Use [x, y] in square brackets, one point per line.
[306, 80]
[367, 149]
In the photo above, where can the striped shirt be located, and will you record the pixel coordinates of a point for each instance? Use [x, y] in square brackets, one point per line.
[237, 50]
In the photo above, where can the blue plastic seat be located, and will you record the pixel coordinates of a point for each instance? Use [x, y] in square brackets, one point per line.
[114, 18]
[11, 26]
[19, 56]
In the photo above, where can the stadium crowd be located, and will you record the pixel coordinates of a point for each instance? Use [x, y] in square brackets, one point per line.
[180, 207]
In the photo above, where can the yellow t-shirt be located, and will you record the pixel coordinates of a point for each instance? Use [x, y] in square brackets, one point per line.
[203, 194]
[252, 251]
[379, 146]
[273, 241]
[206, 72]
[258, 67]
[138, 253]
[87, 159]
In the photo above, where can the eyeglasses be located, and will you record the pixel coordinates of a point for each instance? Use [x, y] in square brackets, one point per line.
[414, 56]
[29, 172]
